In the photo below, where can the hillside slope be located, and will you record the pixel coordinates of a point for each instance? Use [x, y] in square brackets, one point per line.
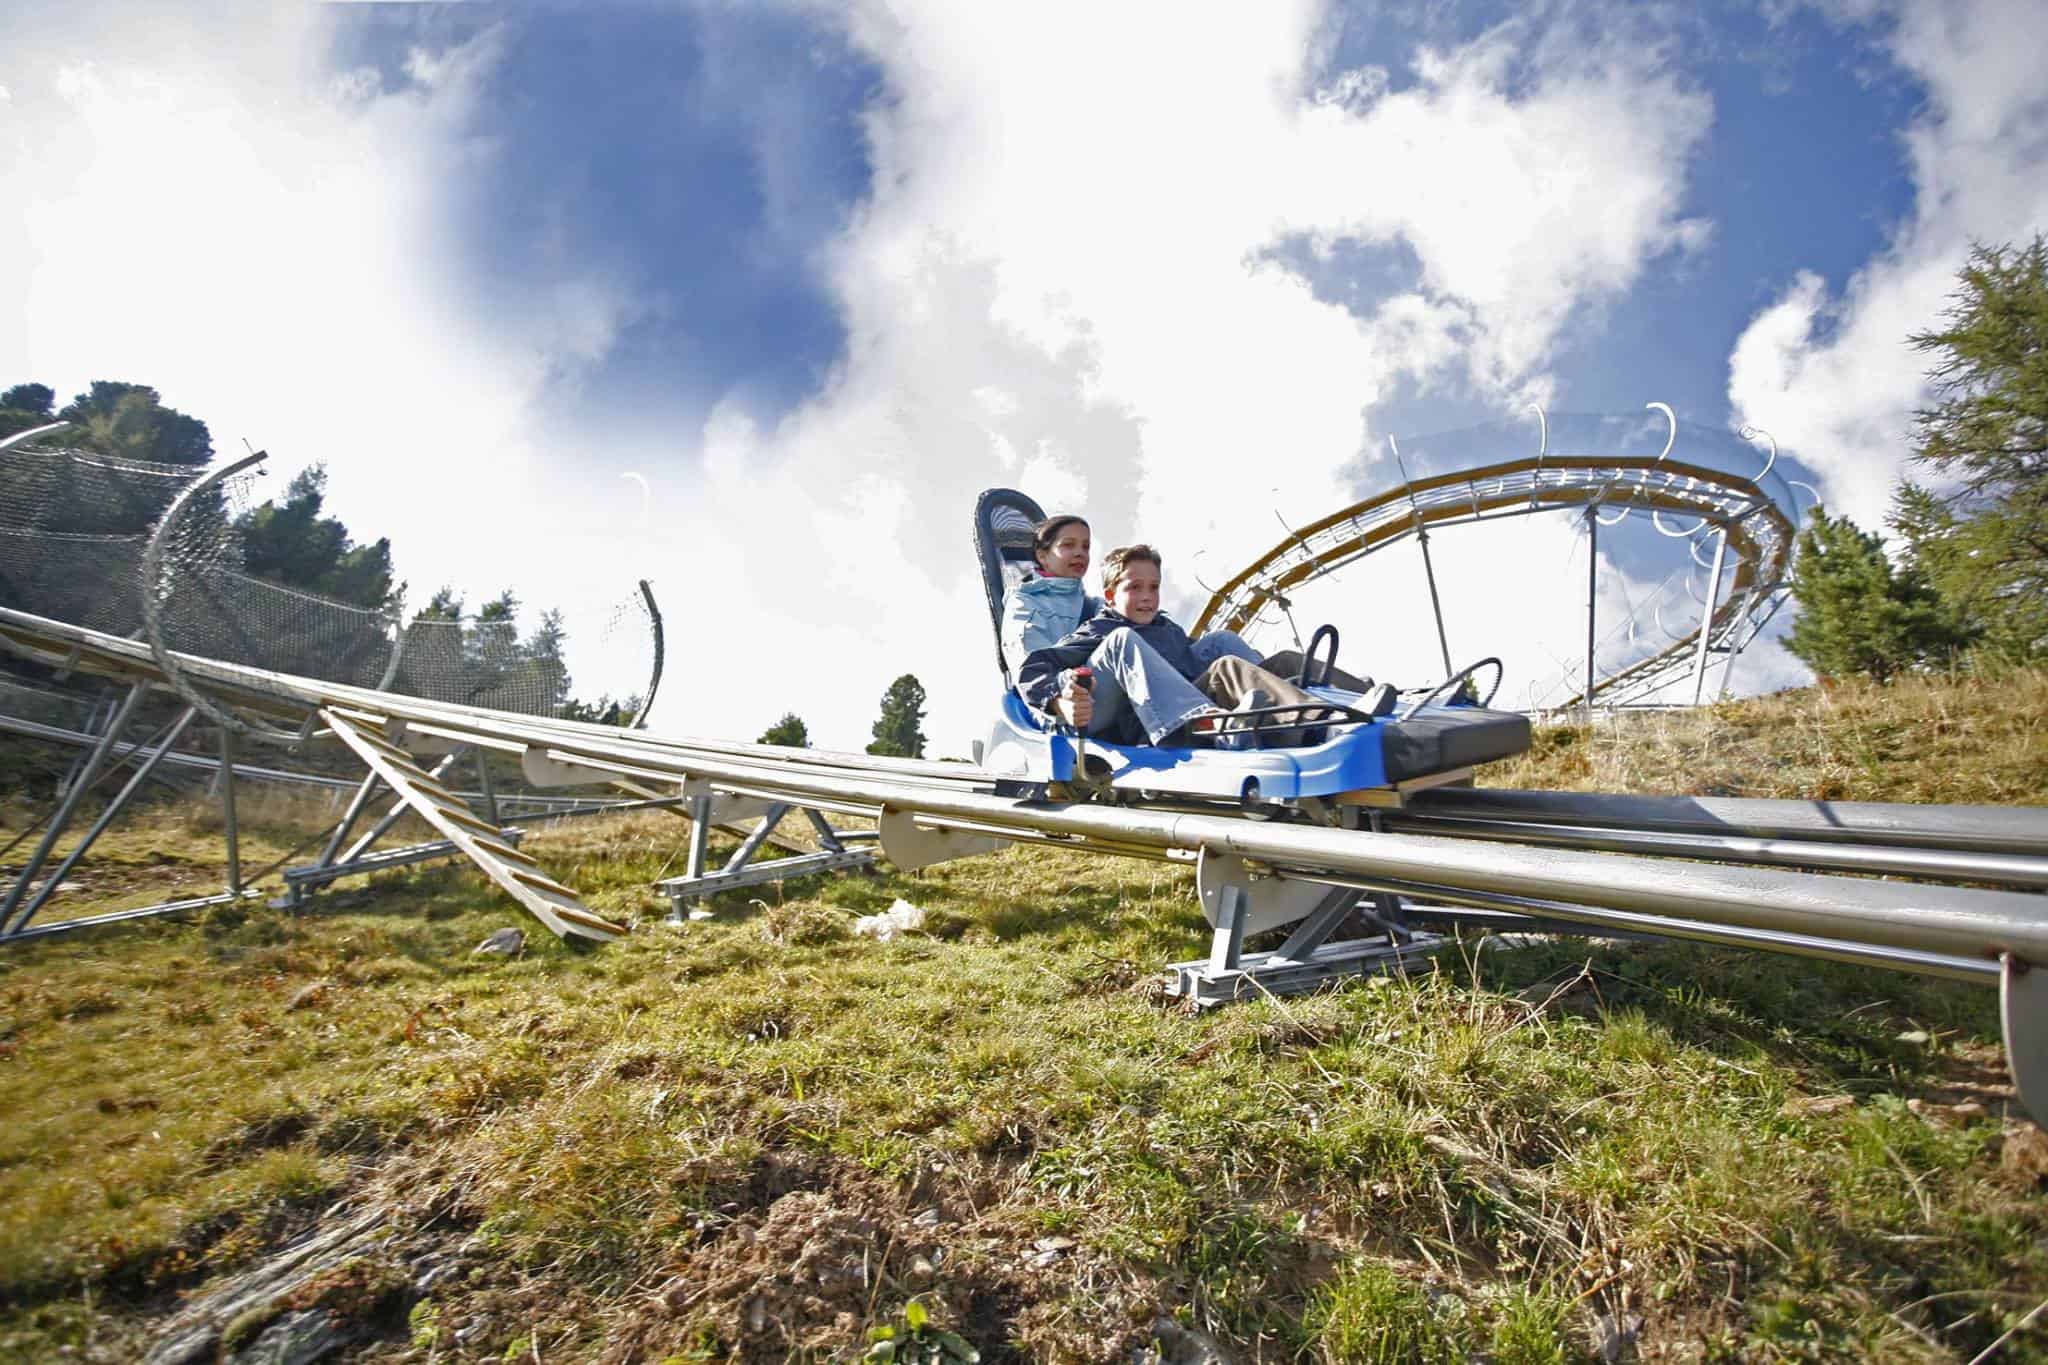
[1979, 738]
[763, 1137]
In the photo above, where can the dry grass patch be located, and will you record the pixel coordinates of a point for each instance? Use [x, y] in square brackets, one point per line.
[1978, 738]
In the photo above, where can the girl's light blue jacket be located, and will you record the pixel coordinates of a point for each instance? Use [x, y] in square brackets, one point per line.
[1039, 612]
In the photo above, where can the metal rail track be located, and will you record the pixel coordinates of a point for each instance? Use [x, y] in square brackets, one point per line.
[1764, 874]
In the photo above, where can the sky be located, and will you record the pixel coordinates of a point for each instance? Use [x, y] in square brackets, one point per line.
[751, 299]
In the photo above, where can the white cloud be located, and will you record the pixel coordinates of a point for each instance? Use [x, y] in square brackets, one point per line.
[1063, 277]
[1833, 376]
[1081, 225]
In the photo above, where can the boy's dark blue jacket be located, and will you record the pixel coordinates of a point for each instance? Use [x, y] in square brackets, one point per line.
[1038, 681]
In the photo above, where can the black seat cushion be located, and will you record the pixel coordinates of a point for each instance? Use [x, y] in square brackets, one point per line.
[1442, 738]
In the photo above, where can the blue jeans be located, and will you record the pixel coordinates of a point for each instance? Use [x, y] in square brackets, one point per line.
[1132, 679]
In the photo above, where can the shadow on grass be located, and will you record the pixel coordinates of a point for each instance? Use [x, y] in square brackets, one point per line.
[1840, 1027]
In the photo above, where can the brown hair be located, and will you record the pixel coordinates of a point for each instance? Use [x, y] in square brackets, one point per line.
[1048, 531]
[1116, 560]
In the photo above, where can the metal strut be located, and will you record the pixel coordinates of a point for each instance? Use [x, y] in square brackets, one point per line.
[740, 870]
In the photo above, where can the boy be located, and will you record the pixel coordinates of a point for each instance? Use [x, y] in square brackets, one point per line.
[1150, 684]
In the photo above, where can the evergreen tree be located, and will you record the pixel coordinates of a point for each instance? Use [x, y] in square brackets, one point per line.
[1982, 539]
[25, 406]
[544, 649]
[292, 544]
[896, 733]
[33, 399]
[131, 421]
[789, 731]
[1859, 614]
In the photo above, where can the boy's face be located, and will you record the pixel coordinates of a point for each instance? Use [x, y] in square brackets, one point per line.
[1136, 595]
[1067, 556]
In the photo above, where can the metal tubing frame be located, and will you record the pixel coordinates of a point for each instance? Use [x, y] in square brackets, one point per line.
[1443, 641]
[302, 880]
[107, 817]
[1543, 913]
[485, 785]
[393, 815]
[68, 806]
[1761, 542]
[67, 926]
[1999, 869]
[740, 870]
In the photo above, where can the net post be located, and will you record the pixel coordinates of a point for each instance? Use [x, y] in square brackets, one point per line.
[639, 721]
[230, 827]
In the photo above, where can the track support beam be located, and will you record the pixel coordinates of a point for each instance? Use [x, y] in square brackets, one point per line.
[1238, 903]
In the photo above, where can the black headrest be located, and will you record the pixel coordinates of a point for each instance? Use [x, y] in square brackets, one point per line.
[1005, 523]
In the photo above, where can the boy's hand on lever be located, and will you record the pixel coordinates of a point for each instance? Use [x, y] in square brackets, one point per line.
[1076, 703]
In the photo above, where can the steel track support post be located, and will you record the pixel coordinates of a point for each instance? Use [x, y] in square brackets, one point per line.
[483, 779]
[700, 832]
[2023, 1001]
[1699, 658]
[349, 818]
[101, 714]
[1316, 929]
[68, 806]
[1736, 642]
[1436, 607]
[135, 783]
[229, 823]
[1226, 945]
[1592, 598]
[700, 837]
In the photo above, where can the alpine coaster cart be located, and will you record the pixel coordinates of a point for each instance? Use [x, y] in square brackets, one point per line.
[1362, 759]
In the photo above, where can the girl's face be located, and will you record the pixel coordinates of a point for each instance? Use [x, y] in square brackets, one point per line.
[1067, 556]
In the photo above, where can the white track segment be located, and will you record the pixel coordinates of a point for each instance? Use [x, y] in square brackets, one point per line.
[553, 904]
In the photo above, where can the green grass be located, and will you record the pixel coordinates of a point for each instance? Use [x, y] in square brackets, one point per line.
[720, 1141]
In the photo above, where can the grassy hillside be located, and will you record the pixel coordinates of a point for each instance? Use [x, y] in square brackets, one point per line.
[1975, 738]
[763, 1137]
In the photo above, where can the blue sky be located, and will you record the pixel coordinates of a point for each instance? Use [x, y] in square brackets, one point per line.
[815, 273]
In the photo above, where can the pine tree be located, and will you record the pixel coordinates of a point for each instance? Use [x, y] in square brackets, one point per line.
[1860, 614]
[130, 420]
[543, 651]
[789, 731]
[1982, 537]
[290, 542]
[896, 733]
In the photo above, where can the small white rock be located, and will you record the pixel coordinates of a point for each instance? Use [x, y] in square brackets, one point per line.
[505, 942]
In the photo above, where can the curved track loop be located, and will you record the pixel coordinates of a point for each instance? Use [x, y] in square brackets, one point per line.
[1760, 535]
